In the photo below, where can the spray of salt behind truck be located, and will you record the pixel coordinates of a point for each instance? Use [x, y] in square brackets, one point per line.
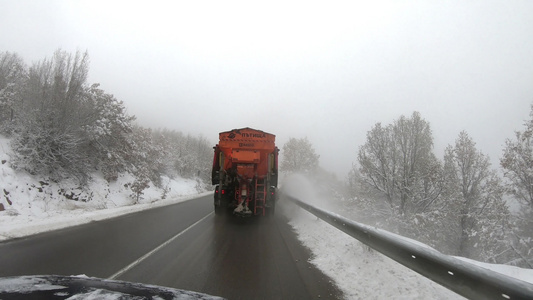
[245, 172]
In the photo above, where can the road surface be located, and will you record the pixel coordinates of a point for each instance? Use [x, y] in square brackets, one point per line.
[183, 246]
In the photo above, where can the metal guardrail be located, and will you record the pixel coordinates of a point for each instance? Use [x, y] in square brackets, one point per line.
[468, 280]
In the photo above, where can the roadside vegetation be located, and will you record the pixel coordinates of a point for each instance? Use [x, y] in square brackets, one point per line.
[62, 127]
[459, 204]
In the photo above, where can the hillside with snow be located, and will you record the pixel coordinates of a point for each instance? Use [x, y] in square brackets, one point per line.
[29, 204]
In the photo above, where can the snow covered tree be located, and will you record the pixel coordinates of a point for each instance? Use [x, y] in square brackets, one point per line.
[418, 167]
[398, 161]
[56, 85]
[44, 150]
[203, 150]
[105, 127]
[521, 239]
[474, 199]
[48, 140]
[186, 156]
[377, 160]
[146, 156]
[13, 76]
[361, 199]
[517, 162]
[299, 156]
[68, 128]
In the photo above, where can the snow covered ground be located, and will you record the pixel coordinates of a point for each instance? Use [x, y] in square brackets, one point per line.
[359, 272]
[32, 206]
[362, 273]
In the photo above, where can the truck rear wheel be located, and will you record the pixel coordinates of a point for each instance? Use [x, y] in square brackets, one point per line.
[218, 210]
[270, 211]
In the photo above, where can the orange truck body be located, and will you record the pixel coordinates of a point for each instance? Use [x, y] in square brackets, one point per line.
[245, 171]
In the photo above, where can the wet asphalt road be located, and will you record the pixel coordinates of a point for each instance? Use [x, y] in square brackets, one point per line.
[194, 250]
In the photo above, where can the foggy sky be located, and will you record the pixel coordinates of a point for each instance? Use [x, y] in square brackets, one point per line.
[325, 70]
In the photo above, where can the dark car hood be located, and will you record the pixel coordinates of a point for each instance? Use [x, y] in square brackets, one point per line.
[83, 287]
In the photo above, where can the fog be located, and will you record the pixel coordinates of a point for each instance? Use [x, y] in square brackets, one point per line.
[309, 190]
[327, 71]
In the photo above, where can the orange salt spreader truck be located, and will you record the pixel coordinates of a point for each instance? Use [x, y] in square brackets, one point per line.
[245, 172]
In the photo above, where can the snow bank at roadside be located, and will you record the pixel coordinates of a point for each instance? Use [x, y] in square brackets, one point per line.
[362, 273]
[33, 206]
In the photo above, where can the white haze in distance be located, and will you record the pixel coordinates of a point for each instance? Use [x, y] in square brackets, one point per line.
[325, 70]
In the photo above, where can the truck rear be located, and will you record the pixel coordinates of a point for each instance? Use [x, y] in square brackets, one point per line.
[245, 172]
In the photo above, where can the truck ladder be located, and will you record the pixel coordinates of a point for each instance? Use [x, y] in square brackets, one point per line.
[260, 196]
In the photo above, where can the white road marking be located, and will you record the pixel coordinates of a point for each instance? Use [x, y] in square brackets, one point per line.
[138, 261]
